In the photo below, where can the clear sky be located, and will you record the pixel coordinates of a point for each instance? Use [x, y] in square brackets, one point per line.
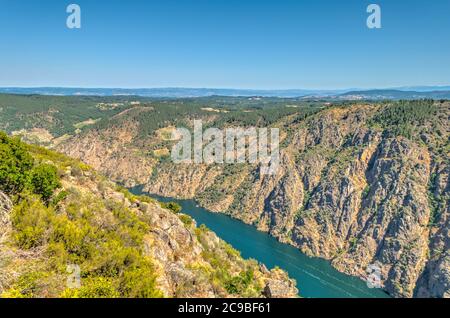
[266, 44]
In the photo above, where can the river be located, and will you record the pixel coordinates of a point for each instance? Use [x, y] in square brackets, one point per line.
[315, 277]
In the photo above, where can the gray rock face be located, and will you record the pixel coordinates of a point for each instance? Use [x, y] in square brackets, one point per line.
[5, 210]
[5, 226]
[435, 279]
[5, 206]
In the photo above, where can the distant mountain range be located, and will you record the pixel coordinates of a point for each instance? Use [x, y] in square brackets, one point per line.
[413, 92]
[393, 94]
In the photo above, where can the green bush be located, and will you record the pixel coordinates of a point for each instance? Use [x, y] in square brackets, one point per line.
[59, 198]
[186, 219]
[140, 282]
[70, 233]
[15, 164]
[173, 206]
[31, 220]
[239, 284]
[26, 286]
[44, 181]
[97, 287]
[17, 172]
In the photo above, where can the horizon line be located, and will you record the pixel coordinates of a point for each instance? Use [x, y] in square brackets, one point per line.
[232, 88]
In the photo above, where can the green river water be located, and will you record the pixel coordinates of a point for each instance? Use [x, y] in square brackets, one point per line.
[315, 277]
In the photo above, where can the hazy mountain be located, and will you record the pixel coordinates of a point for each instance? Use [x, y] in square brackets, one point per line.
[393, 94]
[414, 92]
[423, 88]
[168, 92]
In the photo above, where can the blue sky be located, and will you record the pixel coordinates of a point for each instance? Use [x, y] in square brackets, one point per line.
[315, 44]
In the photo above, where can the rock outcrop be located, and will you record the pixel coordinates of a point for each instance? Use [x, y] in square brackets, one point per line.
[5, 210]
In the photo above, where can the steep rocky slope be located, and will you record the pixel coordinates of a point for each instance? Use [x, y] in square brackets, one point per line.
[361, 185]
[124, 245]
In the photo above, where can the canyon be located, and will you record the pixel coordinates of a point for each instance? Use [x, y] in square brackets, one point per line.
[350, 189]
[361, 184]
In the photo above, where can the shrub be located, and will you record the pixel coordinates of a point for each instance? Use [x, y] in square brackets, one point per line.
[69, 233]
[140, 282]
[44, 181]
[60, 197]
[97, 287]
[173, 206]
[15, 164]
[12, 293]
[186, 219]
[200, 231]
[26, 286]
[31, 220]
[231, 251]
[239, 284]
